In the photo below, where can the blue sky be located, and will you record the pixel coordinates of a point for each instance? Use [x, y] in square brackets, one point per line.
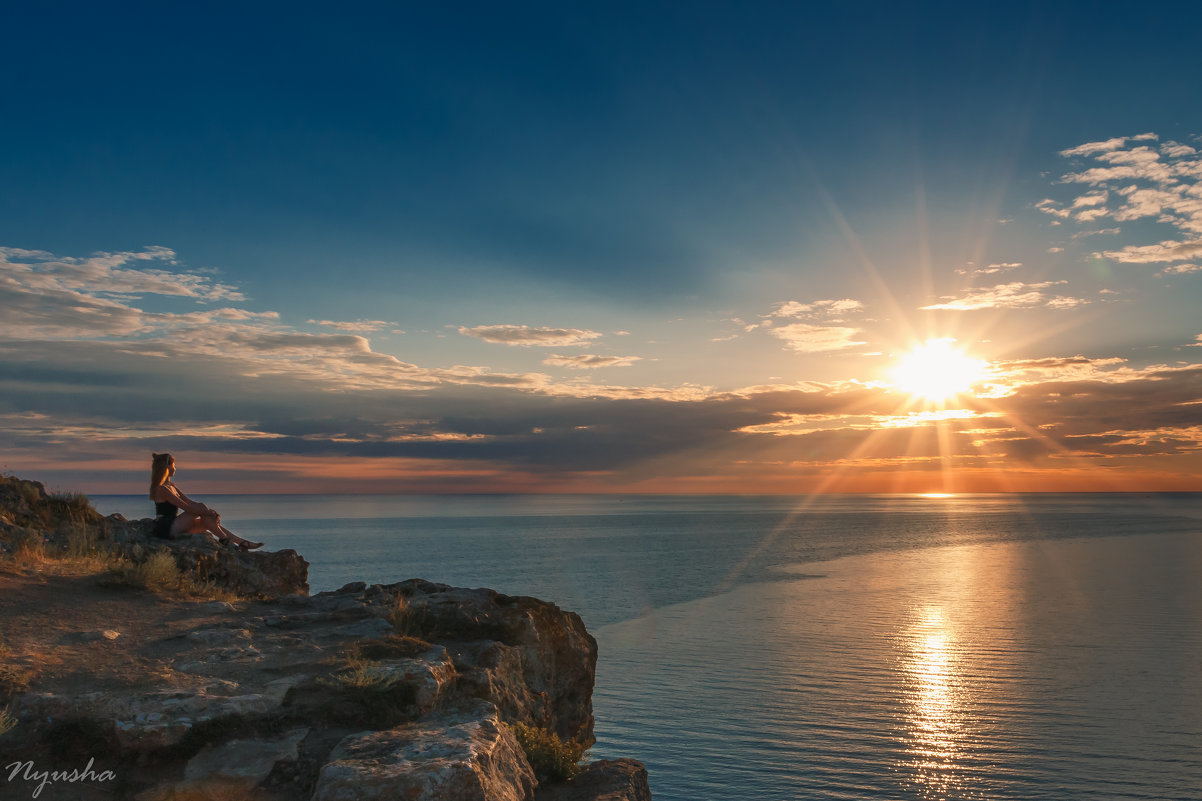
[668, 247]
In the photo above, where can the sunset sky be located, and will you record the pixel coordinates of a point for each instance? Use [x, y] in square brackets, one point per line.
[602, 247]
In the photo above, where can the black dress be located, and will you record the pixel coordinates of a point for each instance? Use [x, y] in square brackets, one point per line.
[164, 516]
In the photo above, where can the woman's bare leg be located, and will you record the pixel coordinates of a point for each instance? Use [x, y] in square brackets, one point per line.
[211, 525]
[234, 538]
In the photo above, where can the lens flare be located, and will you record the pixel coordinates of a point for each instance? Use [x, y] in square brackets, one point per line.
[937, 371]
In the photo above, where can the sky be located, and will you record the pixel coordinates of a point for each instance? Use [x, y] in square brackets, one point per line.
[602, 247]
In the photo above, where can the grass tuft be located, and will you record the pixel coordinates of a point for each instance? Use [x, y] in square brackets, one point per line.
[552, 759]
[364, 675]
[158, 573]
[407, 620]
[8, 722]
[13, 680]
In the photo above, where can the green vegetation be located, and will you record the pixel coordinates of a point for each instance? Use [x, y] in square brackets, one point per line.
[552, 759]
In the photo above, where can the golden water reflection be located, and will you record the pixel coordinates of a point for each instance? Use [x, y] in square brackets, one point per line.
[935, 698]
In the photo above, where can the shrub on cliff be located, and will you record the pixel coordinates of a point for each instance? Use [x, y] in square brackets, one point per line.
[552, 759]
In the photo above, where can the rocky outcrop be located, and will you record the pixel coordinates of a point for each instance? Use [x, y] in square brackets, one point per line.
[604, 780]
[397, 691]
[467, 755]
[61, 523]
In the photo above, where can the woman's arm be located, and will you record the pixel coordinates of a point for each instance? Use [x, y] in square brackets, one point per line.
[169, 493]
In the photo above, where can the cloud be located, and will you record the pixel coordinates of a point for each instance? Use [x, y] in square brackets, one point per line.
[1133, 178]
[806, 338]
[1016, 295]
[1092, 199]
[992, 269]
[1181, 269]
[526, 336]
[1162, 252]
[828, 309]
[108, 382]
[108, 274]
[1093, 148]
[354, 326]
[589, 361]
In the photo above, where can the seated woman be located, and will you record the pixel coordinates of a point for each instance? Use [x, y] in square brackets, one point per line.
[197, 518]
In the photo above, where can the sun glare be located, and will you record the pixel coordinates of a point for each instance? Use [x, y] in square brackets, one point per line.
[936, 371]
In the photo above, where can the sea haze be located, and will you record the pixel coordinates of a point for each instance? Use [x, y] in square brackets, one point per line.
[991, 646]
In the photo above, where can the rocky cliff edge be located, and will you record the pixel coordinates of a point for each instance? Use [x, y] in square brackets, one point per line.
[413, 690]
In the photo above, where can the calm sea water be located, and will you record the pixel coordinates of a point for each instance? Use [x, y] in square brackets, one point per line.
[897, 647]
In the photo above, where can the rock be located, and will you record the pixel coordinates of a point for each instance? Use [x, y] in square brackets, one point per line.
[250, 574]
[467, 756]
[91, 636]
[243, 762]
[541, 672]
[605, 780]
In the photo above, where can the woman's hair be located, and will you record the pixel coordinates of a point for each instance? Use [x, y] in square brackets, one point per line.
[159, 465]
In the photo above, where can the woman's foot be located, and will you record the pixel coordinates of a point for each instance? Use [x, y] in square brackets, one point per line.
[247, 545]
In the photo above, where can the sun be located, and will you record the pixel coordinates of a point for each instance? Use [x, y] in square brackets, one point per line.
[936, 370]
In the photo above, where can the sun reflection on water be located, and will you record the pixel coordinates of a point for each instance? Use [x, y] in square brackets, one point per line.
[935, 719]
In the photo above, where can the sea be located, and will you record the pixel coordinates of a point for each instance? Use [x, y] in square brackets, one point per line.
[1018, 646]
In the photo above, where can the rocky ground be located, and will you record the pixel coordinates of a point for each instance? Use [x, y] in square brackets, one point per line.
[399, 691]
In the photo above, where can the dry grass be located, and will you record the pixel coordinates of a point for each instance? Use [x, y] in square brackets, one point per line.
[407, 620]
[8, 722]
[361, 674]
[159, 574]
[13, 680]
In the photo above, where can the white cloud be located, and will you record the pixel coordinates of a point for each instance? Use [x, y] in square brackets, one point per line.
[1181, 269]
[526, 336]
[1049, 206]
[354, 326]
[112, 274]
[1176, 150]
[819, 308]
[1016, 295]
[1094, 199]
[1150, 254]
[1092, 148]
[806, 338]
[587, 361]
[1148, 181]
[999, 268]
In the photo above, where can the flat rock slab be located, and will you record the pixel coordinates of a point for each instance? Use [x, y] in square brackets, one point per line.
[467, 756]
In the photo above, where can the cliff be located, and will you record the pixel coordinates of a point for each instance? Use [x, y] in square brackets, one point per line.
[412, 690]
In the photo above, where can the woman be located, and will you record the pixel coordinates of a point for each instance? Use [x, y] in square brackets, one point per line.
[198, 518]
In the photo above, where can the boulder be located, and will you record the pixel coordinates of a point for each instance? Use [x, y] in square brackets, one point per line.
[605, 780]
[536, 662]
[466, 755]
